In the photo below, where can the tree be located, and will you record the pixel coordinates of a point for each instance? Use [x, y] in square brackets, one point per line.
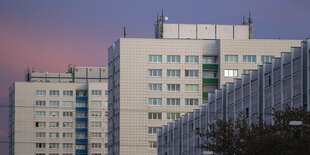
[239, 137]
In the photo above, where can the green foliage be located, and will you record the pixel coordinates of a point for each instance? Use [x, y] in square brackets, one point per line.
[239, 137]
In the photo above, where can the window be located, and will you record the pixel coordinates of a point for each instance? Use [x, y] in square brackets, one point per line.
[191, 101]
[67, 114]
[81, 146]
[96, 103]
[230, 72]
[54, 145]
[155, 72]
[96, 145]
[106, 93]
[246, 71]
[54, 92]
[40, 92]
[191, 87]
[54, 103]
[153, 130]
[96, 114]
[155, 87]
[265, 58]
[54, 135]
[81, 104]
[153, 144]
[67, 145]
[67, 135]
[105, 103]
[209, 60]
[173, 58]
[154, 115]
[231, 58]
[67, 93]
[209, 74]
[81, 124]
[40, 145]
[96, 124]
[96, 134]
[173, 101]
[191, 59]
[40, 113]
[54, 113]
[155, 101]
[67, 124]
[40, 124]
[191, 73]
[173, 87]
[40, 153]
[173, 73]
[249, 58]
[96, 92]
[81, 114]
[173, 116]
[53, 124]
[67, 104]
[40, 134]
[40, 103]
[155, 58]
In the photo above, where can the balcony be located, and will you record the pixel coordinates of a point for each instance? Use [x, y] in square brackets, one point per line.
[210, 66]
[83, 130]
[81, 119]
[81, 141]
[81, 98]
[81, 109]
[81, 151]
[210, 81]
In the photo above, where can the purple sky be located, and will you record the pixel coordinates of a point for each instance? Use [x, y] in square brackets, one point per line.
[49, 35]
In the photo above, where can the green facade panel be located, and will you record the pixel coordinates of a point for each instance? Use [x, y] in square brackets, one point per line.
[205, 96]
[210, 66]
[210, 81]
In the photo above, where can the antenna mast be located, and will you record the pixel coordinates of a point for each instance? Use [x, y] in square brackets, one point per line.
[125, 33]
[251, 26]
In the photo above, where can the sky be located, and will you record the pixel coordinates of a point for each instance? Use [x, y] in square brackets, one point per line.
[48, 35]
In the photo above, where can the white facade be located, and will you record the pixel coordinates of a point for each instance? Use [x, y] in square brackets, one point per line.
[58, 117]
[257, 95]
[134, 62]
[205, 31]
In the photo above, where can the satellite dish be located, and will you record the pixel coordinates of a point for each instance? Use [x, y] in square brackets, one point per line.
[166, 18]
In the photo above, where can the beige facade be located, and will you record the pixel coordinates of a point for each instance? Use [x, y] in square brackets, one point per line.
[58, 117]
[133, 63]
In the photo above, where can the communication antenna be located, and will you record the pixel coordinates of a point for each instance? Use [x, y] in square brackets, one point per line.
[244, 21]
[251, 26]
[125, 33]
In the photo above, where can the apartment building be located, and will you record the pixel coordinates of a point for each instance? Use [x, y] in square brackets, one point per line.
[59, 113]
[155, 81]
[284, 82]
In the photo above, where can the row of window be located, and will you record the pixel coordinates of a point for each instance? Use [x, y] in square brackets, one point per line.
[174, 87]
[68, 145]
[173, 59]
[172, 101]
[173, 73]
[158, 116]
[66, 92]
[68, 114]
[69, 124]
[42, 103]
[64, 154]
[68, 135]
[247, 58]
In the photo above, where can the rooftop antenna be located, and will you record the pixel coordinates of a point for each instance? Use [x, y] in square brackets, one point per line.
[125, 33]
[243, 21]
[251, 26]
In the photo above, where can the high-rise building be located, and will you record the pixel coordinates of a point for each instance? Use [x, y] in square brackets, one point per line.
[59, 113]
[154, 81]
[274, 86]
